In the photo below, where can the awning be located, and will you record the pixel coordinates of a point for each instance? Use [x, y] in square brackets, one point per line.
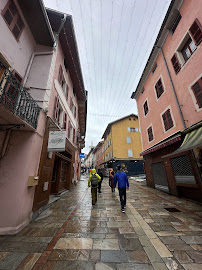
[192, 140]
[163, 144]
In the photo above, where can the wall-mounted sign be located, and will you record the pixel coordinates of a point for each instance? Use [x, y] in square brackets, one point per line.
[56, 141]
[82, 155]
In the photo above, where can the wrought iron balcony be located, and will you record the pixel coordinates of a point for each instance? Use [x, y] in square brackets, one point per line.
[14, 96]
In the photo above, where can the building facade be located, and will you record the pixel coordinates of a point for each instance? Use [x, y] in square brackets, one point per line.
[98, 155]
[122, 144]
[169, 100]
[29, 63]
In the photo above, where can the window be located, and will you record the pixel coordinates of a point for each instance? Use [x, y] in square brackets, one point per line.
[197, 89]
[150, 134]
[13, 19]
[196, 32]
[159, 88]
[131, 129]
[176, 63]
[69, 130]
[167, 119]
[130, 153]
[146, 108]
[59, 114]
[129, 119]
[74, 135]
[60, 75]
[188, 49]
[154, 68]
[65, 121]
[128, 140]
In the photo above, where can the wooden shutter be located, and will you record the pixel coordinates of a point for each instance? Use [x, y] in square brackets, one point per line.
[167, 119]
[65, 121]
[197, 89]
[150, 133]
[176, 63]
[74, 112]
[196, 32]
[60, 75]
[67, 91]
[69, 129]
[56, 112]
[73, 135]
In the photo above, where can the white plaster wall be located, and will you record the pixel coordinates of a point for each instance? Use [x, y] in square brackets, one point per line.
[17, 53]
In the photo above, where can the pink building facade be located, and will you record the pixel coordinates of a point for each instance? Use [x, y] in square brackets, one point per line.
[29, 63]
[169, 100]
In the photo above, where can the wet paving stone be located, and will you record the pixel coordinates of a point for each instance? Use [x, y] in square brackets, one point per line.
[134, 266]
[103, 238]
[73, 265]
[130, 244]
[113, 256]
[137, 256]
[12, 261]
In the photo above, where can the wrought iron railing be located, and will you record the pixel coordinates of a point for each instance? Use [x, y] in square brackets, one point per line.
[15, 97]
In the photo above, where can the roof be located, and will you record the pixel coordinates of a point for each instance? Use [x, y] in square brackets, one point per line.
[168, 21]
[36, 17]
[62, 24]
[110, 124]
[98, 146]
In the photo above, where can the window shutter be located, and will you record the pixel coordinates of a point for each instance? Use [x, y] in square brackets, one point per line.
[73, 135]
[176, 63]
[67, 91]
[197, 89]
[74, 112]
[69, 129]
[60, 75]
[196, 31]
[65, 121]
[56, 112]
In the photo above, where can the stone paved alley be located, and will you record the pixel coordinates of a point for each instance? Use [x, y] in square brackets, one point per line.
[72, 234]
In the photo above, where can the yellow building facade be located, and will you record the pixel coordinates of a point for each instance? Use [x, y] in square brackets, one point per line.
[122, 141]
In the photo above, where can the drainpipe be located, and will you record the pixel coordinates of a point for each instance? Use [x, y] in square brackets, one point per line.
[173, 88]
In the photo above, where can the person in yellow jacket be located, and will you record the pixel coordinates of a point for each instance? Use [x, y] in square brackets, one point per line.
[93, 180]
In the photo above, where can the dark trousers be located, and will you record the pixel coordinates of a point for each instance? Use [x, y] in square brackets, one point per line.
[99, 186]
[122, 194]
[94, 195]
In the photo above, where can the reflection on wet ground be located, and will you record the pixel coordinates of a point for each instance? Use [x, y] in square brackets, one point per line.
[73, 234]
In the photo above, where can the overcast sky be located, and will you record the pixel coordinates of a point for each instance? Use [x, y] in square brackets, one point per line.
[114, 38]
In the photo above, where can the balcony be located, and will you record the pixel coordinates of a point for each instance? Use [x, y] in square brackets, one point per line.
[14, 96]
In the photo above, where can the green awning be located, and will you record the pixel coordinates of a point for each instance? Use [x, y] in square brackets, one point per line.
[192, 140]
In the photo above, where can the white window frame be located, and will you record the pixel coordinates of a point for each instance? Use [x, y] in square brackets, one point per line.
[128, 140]
[130, 153]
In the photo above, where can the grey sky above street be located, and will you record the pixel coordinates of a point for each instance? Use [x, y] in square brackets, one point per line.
[114, 38]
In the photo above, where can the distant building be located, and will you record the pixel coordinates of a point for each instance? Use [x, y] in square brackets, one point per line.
[169, 100]
[98, 155]
[122, 145]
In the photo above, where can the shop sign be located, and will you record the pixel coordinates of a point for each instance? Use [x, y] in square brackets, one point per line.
[56, 141]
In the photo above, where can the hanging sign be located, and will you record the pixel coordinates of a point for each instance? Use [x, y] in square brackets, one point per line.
[56, 141]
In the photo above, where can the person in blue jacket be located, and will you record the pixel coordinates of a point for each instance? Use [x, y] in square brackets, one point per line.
[122, 180]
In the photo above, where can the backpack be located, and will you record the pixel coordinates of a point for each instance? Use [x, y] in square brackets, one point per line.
[94, 180]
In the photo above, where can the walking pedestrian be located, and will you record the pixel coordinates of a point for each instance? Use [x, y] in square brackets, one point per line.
[111, 182]
[93, 181]
[122, 180]
[100, 183]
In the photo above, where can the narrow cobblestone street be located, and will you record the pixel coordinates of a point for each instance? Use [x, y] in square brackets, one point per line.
[73, 235]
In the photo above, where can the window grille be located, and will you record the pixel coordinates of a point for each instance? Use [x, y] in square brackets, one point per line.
[182, 170]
